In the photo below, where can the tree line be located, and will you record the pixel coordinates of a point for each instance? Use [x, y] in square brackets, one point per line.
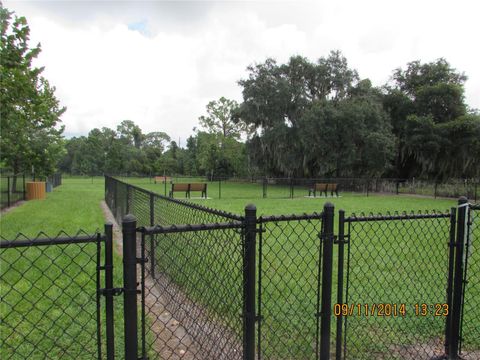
[297, 119]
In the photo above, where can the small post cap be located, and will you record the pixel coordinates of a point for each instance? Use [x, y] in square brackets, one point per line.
[129, 218]
[250, 207]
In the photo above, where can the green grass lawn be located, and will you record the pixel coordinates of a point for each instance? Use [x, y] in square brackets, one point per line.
[49, 292]
[235, 196]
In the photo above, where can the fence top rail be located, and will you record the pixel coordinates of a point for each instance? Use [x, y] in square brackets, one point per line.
[276, 218]
[158, 229]
[185, 203]
[397, 216]
[475, 206]
[41, 240]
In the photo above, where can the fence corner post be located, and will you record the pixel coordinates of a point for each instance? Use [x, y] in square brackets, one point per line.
[129, 224]
[458, 279]
[249, 282]
[327, 264]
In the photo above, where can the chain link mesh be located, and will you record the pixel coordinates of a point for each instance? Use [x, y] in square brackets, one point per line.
[48, 291]
[289, 284]
[396, 263]
[471, 309]
[193, 294]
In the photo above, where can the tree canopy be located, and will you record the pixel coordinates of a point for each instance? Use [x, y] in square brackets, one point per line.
[30, 113]
[315, 119]
[436, 135]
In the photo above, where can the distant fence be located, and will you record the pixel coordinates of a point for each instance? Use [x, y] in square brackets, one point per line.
[55, 179]
[12, 189]
[284, 187]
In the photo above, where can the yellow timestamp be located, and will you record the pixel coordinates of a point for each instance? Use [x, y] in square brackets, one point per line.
[438, 309]
[390, 309]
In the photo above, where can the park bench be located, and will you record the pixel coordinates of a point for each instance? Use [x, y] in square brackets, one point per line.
[161, 179]
[333, 189]
[323, 188]
[188, 188]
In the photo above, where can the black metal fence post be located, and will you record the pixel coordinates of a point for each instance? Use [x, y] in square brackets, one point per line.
[451, 263]
[127, 203]
[129, 225]
[341, 253]
[458, 278]
[249, 283]
[115, 199]
[152, 237]
[327, 263]
[264, 188]
[109, 295]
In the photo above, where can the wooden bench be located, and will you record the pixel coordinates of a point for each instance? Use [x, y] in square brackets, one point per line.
[323, 188]
[202, 187]
[333, 189]
[162, 179]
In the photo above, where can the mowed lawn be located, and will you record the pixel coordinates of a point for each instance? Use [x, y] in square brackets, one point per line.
[235, 196]
[48, 306]
[395, 262]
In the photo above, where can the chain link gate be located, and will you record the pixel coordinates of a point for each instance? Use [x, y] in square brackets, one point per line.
[289, 290]
[53, 285]
[470, 329]
[395, 303]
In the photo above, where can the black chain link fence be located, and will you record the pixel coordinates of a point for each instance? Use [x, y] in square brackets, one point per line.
[193, 291]
[397, 271]
[12, 189]
[290, 187]
[50, 305]
[397, 283]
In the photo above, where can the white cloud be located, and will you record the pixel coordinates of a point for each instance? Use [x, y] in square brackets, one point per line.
[159, 64]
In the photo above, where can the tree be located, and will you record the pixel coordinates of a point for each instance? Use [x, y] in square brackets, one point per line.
[220, 119]
[218, 149]
[130, 133]
[30, 112]
[315, 119]
[428, 110]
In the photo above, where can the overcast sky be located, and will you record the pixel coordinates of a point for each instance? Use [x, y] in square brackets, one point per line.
[159, 63]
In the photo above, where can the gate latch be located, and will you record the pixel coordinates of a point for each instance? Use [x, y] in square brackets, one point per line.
[113, 291]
